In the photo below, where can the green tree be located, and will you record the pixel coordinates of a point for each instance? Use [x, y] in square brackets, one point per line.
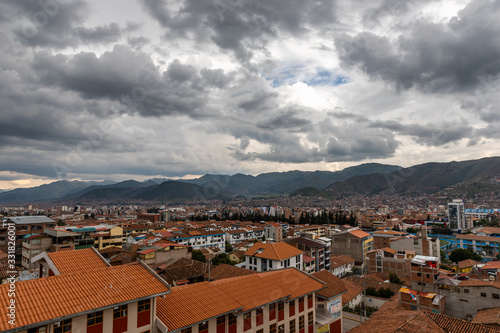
[371, 291]
[198, 255]
[464, 254]
[394, 278]
[229, 247]
[385, 293]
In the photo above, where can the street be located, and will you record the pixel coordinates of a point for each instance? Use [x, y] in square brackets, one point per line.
[351, 320]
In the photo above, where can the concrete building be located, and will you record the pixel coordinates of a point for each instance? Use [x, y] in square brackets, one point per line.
[352, 242]
[387, 261]
[420, 301]
[420, 244]
[22, 227]
[279, 301]
[270, 256]
[456, 215]
[317, 249]
[381, 238]
[465, 298]
[273, 232]
[424, 272]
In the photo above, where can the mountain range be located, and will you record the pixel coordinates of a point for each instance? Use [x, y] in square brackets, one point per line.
[367, 179]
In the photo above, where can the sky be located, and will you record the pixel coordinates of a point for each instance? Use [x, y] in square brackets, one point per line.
[138, 89]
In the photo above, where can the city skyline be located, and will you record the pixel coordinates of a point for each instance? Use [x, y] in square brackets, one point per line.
[144, 89]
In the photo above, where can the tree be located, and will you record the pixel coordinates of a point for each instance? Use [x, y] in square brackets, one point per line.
[371, 291]
[394, 278]
[229, 247]
[198, 255]
[385, 293]
[464, 254]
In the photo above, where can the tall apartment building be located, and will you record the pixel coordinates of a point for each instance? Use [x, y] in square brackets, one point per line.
[387, 261]
[273, 231]
[456, 215]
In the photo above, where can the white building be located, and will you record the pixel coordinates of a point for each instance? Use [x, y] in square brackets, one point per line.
[269, 256]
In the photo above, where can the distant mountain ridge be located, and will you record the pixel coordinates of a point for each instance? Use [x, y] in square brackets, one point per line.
[206, 187]
[428, 178]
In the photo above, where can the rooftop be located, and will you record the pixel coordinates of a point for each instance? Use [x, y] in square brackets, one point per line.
[334, 285]
[73, 260]
[236, 295]
[274, 251]
[45, 299]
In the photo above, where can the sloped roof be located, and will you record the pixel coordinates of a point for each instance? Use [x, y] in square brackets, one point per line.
[450, 324]
[340, 260]
[334, 285]
[224, 271]
[359, 233]
[274, 251]
[466, 263]
[487, 317]
[178, 309]
[74, 260]
[353, 290]
[46, 299]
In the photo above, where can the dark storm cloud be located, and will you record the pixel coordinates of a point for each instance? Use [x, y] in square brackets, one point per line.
[242, 27]
[289, 120]
[432, 57]
[55, 24]
[438, 134]
[131, 78]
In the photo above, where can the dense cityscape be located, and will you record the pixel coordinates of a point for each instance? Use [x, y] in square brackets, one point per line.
[249, 166]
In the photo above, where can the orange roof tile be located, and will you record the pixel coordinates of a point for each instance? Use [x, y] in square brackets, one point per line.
[190, 304]
[77, 260]
[359, 233]
[46, 299]
[334, 285]
[353, 290]
[274, 251]
[492, 265]
[466, 263]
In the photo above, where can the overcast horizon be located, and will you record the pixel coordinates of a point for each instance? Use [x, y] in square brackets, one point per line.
[117, 90]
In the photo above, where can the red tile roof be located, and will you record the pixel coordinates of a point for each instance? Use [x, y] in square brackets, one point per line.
[46, 299]
[77, 260]
[334, 285]
[190, 304]
[274, 251]
[359, 233]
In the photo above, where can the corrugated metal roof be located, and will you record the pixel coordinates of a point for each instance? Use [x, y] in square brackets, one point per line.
[31, 219]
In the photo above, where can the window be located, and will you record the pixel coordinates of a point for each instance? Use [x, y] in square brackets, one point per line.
[281, 329]
[496, 296]
[187, 330]
[272, 306]
[41, 329]
[309, 318]
[221, 320]
[466, 291]
[428, 276]
[203, 326]
[292, 326]
[419, 274]
[144, 305]
[232, 320]
[247, 315]
[260, 331]
[272, 328]
[259, 311]
[301, 323]
[64, 326]
[120, 311]
[94, 318]
[281, 306]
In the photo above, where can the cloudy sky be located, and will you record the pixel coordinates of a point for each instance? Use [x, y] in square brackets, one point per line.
[122, 89]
